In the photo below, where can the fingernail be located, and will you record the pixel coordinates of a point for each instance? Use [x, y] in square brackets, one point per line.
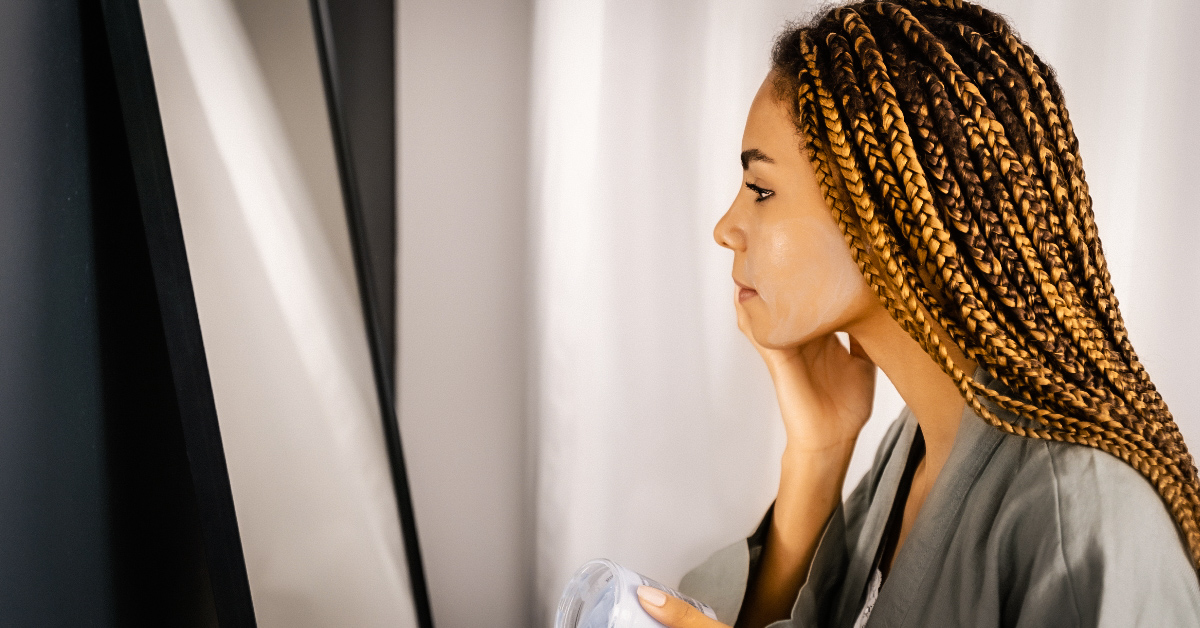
[652, 596]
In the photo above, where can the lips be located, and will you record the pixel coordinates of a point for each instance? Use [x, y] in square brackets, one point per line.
[744, 291]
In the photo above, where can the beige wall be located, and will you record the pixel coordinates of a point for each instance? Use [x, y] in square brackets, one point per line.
[463, 97]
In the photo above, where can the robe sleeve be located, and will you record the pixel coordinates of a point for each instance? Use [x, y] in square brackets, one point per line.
[721, 581]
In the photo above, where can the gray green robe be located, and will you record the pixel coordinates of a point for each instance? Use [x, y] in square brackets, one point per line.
[1015, 532]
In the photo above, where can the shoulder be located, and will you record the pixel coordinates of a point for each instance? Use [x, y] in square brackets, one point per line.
[1093, 494]
[1114, 546]
[1110, 510]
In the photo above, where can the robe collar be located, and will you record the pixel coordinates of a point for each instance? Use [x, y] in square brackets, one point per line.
[973, 446]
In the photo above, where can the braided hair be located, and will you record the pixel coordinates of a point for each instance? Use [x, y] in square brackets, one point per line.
[943, 147]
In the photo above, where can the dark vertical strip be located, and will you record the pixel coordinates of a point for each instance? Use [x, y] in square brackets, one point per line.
[99, 522]
[364, 34]
[54, 552]
[192, 388]
[159, 569]
[384, 373]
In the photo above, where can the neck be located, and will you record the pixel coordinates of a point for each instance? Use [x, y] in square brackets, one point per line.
[930, 394]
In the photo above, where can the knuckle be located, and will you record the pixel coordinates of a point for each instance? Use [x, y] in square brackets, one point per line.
[682, 614]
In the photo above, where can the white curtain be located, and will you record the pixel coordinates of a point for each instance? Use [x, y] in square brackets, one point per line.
[252, 162]
[656, 435]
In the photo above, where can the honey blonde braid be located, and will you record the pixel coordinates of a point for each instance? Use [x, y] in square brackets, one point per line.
[944, 149]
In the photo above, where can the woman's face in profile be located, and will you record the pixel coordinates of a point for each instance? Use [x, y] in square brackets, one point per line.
[795, 276]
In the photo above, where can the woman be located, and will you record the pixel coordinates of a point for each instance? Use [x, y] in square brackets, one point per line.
[911, 178]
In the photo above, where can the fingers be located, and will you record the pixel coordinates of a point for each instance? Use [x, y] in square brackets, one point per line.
[673, 612]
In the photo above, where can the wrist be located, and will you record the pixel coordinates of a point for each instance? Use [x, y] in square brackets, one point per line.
[816, 464]
[810, 485]
[817, 453]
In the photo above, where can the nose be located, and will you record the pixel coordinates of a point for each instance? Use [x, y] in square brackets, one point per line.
[727, 233]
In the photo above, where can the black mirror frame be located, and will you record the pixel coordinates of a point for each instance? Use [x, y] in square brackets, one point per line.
[155, 195]
[369, 289]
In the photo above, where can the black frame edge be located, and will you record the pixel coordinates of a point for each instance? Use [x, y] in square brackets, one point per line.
[181, 324]
[384, 386]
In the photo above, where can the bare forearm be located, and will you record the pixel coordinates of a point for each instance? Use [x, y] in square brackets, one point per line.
[825, 393]
[809, 491]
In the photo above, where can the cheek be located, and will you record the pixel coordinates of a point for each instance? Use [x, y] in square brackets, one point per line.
[805, 277]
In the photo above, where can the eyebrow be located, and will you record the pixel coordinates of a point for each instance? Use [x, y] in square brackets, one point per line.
[754, 155]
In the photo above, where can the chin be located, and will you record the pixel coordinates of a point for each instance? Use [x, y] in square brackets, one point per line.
[774, 337]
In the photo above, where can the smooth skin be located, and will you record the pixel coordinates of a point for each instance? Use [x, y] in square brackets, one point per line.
[795, 285]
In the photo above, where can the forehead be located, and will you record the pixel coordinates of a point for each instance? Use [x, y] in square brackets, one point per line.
[769, 123]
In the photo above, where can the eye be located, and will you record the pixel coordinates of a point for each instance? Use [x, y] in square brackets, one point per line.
[762, 193]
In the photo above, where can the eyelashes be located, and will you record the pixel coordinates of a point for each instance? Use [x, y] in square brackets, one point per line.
[761, 193]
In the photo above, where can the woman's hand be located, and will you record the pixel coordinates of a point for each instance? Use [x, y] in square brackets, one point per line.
[825, 392]
[673, 612]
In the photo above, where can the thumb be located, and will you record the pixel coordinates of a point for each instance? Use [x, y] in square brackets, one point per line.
[673, 612]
